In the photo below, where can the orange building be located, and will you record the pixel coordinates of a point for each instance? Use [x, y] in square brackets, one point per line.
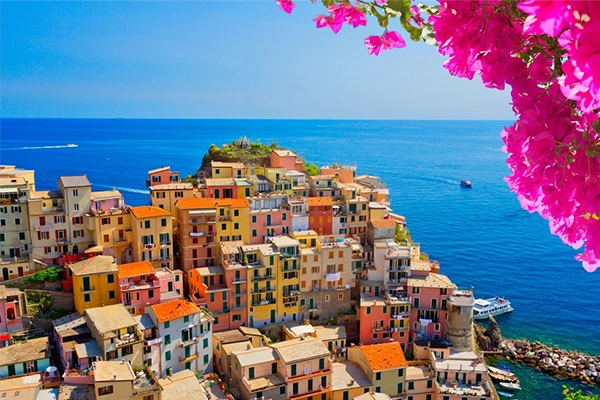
[320, 214]
[196, 230]
[283, 159]
[161, 175]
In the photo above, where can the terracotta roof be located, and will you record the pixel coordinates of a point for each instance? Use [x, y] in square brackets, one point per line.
[148, 212]
[233, 202]
[173, 310]
[195, 203]
[135, 269]
[319, 201]
[382, 223]
[384, 356]
[284, 153]
[94, 265]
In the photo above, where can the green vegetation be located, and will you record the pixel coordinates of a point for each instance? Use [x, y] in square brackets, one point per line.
[42, 305]
[240, 150]
[402, 236]
[50, 274]
[310, 169]
[578, 395]
[424, 256]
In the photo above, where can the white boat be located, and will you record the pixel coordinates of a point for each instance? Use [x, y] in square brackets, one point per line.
[71, 145]
[494, 306]
[510, 385]
[466, 183]
[506, 394]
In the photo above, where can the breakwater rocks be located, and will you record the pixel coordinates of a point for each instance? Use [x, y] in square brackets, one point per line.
[562, 363]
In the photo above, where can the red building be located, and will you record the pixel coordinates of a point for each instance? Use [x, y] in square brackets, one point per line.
[320, 214]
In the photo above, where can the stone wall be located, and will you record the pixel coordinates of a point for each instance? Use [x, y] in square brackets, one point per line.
[326, 304]
[61, 299]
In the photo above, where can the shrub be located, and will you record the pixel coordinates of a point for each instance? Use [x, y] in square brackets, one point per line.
[50, 274]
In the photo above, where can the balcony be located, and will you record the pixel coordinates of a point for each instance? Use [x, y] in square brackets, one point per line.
[164, 244]
[189, 342]
[53, 210]
[191, 357]
[202, 234]
[87, 289]
[221, 311]
[143, 284]
[240, 294]
[401, 281]
[145, 384]
[265, 302]
[383, 329]
[79, 377]
[159, 259]
[264, 289]
[257, 278]
[128, 339]
[152, 342]
[454, 388]
[148, 246]
[43, 228]
[292, 293]
[239, 307]
[200, 221]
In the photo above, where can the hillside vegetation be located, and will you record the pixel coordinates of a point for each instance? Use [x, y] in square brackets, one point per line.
[239, 151]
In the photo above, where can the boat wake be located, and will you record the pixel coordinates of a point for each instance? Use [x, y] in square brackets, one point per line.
[39, 147]
[124, 189]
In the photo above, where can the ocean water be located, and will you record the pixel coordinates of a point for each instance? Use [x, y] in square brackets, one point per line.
[481, 236]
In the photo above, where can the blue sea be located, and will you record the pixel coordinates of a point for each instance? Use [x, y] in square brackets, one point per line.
[481, 236]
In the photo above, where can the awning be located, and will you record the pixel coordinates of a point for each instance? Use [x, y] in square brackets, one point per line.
[9, 190]
[202, 212]
[94, 249]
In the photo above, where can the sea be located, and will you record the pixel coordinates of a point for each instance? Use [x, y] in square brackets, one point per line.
[481, 236]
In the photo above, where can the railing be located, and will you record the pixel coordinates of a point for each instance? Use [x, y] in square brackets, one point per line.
[140, 284]
[292, 293]
[264, 302]
[191, 357]
[240, 294]
[138, 390]
[221, 311]
[46, 228]
[201, 234]
[265, 289]
[168, 243]
[88, 288]
[199, 221]
[262, 277]
[239, 307]
[189, 342]
[128, 339]
[51, 210]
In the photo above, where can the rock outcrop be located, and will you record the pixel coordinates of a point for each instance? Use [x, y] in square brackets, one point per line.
[488, 339]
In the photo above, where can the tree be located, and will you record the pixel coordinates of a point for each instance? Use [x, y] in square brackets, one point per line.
[548, 53]
[578, 395]
[310, 169]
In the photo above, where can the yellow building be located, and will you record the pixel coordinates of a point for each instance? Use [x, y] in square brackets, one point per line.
[221, 169]
[116, 333]
[95, 283]
[263, 262]
[152, 236]
[280, 181]
[109, 223]
[233, 220]
[384, 365]
[245, 188]
[115, 380]
[288, 278]
[358, 216]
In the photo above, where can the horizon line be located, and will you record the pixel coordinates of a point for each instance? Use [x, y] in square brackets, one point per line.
[251, 119]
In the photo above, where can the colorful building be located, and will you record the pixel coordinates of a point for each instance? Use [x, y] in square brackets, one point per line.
[219, 188]
[25, 357]
[283, 159]
[221, 169]
[152, 231]
[166, 195]
[12, 309]
[320, 214]
[186, 333]
[233, 220]
[196, 231]
[160, 176]
[428, 294]
[95, 282]
[385, 366]
[269, 216]
[236, 275]
[208, 289]
[348, 381]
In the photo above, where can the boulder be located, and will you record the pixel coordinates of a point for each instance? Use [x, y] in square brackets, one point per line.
[493, 332]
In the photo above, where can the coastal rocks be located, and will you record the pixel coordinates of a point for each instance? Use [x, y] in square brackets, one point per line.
[552, 360]
[488, 339]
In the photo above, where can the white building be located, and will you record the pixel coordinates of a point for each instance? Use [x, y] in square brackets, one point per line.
[186, 333]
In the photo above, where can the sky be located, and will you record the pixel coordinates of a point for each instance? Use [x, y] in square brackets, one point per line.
[218, 59]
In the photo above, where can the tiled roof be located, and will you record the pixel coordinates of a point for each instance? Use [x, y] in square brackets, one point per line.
[173, 186]
[106, 194]
[233, 202]
[220, 182]
[295, 350]
[431, 281]
[284, 153]
[382, 223]
[109, 318]
[75, 181]
[173, 310]
[94, 265]
[135, 269]
[195, 203]
[319, 201]
[33, 349]
[384, 356]
[148, 212]
[153, 171]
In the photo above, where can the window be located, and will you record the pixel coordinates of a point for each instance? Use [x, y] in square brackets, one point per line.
[236, 225]
[150, 294]
[377, 389]
[254, 233]
[411, 386]
[120, 221]
[110, 278]
[295, 388]
[75, 194]
[429, 384]
[127, 350]
[75, 207]
[1, 237]
[416, 302]
[283, 216]
[205, 343]
[186, 318]
[377, 376]
[21, 235]
[321, 363]
[282, 390]
[167, 355]
[416, 290]
[105, 390]
[251, 372]
[86, 297]
[400, 372]
[17, 221]
[163, 222]
[254, 219]
[147, 224]
[111, 294]
[368, 310]
[293, 369]
[236, 213]
[105, 221]
[167, 324]
[167, 339]
[2, 222]
[400, 387]
[326, 298]
[106, 238]
[205, 359]
[176, 278]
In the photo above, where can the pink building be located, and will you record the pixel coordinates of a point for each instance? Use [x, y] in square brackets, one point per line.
[428, 293]
[11, 309]
[161, 176]
[106, 202]
[220, 188]
[283, 159]
[269, 216]
[384, 318]
[236, 270]
[140, 285]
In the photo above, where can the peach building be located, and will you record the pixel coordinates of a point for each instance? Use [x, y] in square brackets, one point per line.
[236, 270]
[166, 195]
[320, 214]
[160, 176]
[220, 188]
[152, 230]
[345, 173]
[196, 231]
[140, 284]
[283, 159]
[269, 216]
[207, 287]
[324, 186]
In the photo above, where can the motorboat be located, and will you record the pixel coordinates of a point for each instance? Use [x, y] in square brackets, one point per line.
[502, 374]
[71, 145]
[466, 183]
[494, 306]
[510, 385]
[506, 394]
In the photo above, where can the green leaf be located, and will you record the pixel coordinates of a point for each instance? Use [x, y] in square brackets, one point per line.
[383, 20]
[427, 35]
[327, 3]
[431, 10]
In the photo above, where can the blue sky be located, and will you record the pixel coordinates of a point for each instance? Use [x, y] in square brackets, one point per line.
[218, 59]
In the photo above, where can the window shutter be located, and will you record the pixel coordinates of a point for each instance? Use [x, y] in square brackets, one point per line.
[39, 235]
[73, 220]
[56, 233]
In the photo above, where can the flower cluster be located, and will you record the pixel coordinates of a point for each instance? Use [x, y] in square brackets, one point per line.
[548, 52]
[286, 5]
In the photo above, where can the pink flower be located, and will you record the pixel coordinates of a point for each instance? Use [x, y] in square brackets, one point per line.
[286, 5]
[381, 1]
[416, 15]
[341, 13]
[389, 40]
[324, 21]
[374, 44]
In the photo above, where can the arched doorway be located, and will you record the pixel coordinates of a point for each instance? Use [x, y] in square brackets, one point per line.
[5, 274]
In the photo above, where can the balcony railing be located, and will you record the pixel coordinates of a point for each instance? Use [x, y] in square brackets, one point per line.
[264, 289]
[43, 228]
[262, 277]
[202, 234]
[85, 289]
[53, 210]
[189, 342]
[199, 221]
[191, 357]
[129, 338]
[264, 302]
